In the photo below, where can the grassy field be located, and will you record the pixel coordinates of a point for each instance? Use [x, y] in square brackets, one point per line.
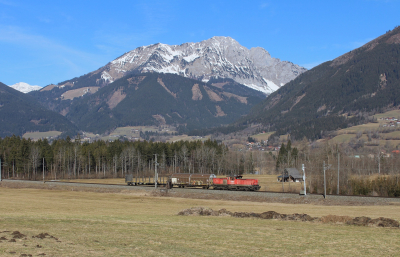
[394, 113]
[344, 135]
[135, 224]
[263, 136]
[187, 138]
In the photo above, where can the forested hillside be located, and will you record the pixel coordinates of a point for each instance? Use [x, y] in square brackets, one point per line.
[156, 99]
[20, 113]
[337, 93]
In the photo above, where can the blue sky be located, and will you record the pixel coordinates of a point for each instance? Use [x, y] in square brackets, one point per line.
[44, 42]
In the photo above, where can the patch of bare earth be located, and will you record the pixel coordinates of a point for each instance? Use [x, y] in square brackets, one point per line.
[136, 80]
[395, 39]
[196, 93]
[160, 119]
[64, 111]
[273, 102]
[48, 88]
[298, 99]
[383, 80]
[219, 85]
[116, 98]
[241, 99]
[358, 221]
[71, 94]
[36, 122]
[220, 112]
[159, 80]
[212, 95]
[321, 108]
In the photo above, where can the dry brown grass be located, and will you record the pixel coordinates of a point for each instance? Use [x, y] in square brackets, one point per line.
[270, 183]
[335, 219]
[135, 224]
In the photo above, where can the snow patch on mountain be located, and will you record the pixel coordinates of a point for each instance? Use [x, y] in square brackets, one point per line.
[220, 57]
[25, 87]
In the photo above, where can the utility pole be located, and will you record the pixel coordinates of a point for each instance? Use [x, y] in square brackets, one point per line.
[0, 169]
[324, 182]
[155, 173]
[338, 173]
[325, 168]
[43, 169]
[304, 178]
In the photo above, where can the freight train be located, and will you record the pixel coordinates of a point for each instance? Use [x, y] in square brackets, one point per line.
[208, 181]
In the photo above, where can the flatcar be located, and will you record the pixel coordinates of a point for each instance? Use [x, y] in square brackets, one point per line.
[236, 182]
[191, 180]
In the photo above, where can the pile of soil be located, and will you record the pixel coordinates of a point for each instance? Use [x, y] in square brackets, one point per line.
[379, 222]
[359, 221]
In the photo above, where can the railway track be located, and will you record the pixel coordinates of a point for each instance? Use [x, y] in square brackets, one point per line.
[260, 195]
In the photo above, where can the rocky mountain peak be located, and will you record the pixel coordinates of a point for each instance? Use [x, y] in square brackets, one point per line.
[218, 56]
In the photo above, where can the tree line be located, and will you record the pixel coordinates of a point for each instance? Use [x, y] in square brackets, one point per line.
[372, 171]
[71, 158]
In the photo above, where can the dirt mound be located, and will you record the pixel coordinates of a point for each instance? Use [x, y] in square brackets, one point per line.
[358, 221]
[379, 222]
[201, 211]
[18, 235]
[45, 235]
[198, 211]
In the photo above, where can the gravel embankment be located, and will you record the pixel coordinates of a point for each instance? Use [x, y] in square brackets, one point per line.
[207, 194]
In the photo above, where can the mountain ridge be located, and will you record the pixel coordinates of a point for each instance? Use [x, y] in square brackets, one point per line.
[217, 57]
[20, 113]
[337, 93]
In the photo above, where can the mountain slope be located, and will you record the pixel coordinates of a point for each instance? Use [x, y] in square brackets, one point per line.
[20, 113]
[154, 99]
[366, 79]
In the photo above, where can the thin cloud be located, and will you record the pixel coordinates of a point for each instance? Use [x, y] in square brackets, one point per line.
[72, 61]
[17, 35]
[9, 3]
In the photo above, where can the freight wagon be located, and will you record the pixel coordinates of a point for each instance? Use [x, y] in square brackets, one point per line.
[191, 180]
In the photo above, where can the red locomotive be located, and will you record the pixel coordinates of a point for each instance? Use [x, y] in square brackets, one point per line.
[206, 181]
[236, 182]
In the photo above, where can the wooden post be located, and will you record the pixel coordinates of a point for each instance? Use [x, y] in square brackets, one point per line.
[43, 169]
[155, 173]
[304, 179]
[338, 169]
[324, 182]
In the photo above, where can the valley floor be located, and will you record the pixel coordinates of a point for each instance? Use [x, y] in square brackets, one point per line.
[61, 222]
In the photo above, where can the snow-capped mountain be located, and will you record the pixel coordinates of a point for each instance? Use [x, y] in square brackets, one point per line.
[220, 57]
[25, 87]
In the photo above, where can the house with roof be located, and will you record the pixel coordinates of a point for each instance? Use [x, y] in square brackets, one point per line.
[291, 173]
